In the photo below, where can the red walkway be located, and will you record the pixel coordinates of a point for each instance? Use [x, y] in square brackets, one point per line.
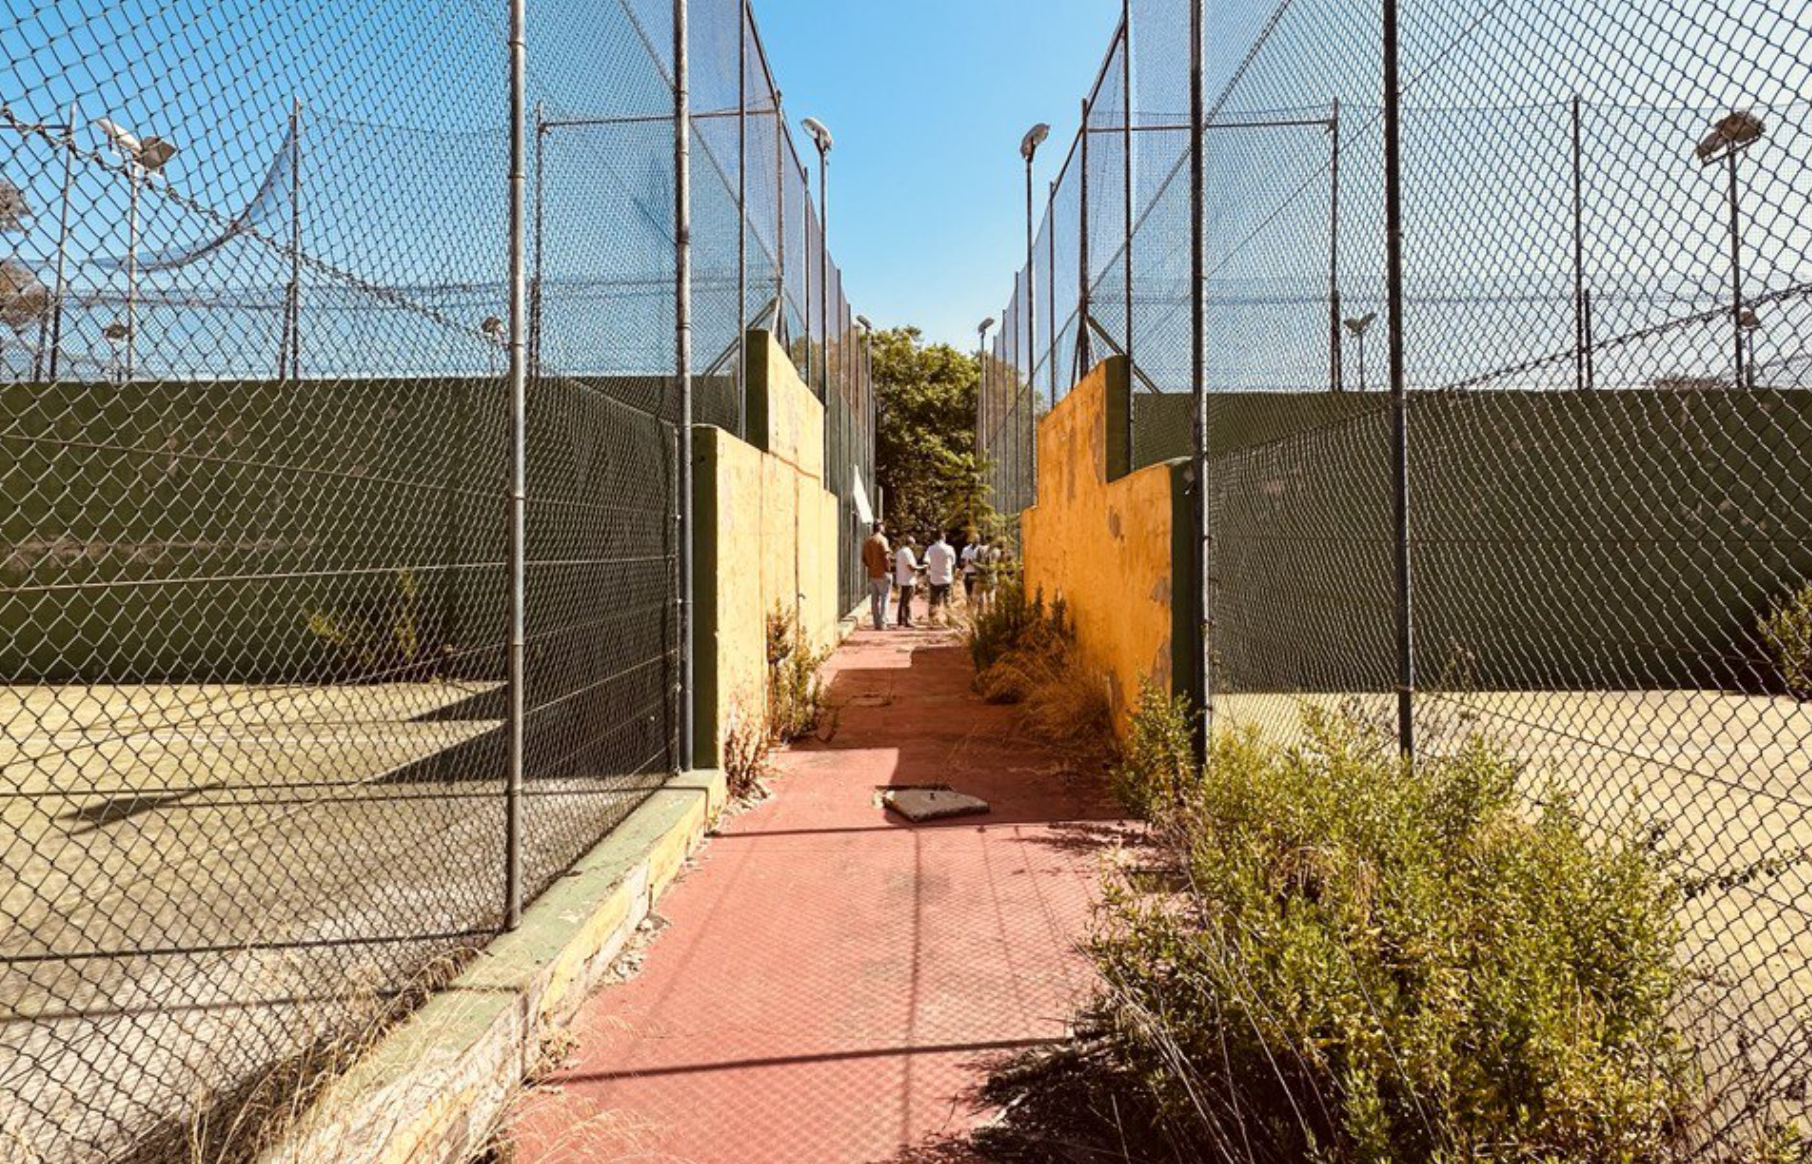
[834, 981]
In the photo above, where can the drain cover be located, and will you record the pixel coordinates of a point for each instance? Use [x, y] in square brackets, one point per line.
[925, 804]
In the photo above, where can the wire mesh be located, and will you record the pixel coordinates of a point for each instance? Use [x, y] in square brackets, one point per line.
[1606, 471]
[256, 591]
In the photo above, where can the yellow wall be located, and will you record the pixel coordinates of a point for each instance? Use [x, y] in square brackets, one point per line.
[764, 538]
[1102, 538]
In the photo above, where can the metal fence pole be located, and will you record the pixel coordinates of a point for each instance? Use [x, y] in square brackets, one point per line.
[1202, 680]
[1050, 282]
[1393, 224]
[742, 221]
[1579, 316]
[1083, 351]
[56, 305]
[1336, 375]
[682, 333]
[1126, 162]
[518, 554]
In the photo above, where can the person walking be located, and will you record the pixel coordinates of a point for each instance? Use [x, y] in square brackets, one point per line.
[906, 576]
[972, 559]
[878, 561]
[940, 572]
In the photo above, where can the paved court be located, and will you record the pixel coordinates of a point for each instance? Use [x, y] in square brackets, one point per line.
[834, 983]
[198, 879]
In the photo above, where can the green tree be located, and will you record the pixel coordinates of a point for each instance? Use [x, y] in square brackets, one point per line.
[925, 455]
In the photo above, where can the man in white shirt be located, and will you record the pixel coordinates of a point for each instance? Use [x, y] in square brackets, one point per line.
[906, 576]
[940, 571]
[972, 559]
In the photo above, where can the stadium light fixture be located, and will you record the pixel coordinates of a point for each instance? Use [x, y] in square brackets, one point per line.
[862, 322]
[1035, 137]
[821, 137]
[1729, 137]
[144, 157]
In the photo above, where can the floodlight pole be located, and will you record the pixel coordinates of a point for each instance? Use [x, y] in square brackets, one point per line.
[289, 357]
[518, 500]
[56, 305]
[133, 171]
[1736, 272]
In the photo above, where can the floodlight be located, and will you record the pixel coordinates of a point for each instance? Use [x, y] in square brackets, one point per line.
[23, 300]
[1033, 139]
[820, 135]
[985, 325]
[14, 209]
[1359, 325]
[862, 322]
[1748, 320]
[150, 155]
[116, 331]
[1733, 133]
[492, 326]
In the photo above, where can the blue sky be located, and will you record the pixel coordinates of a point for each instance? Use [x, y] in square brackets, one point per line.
[928, 102]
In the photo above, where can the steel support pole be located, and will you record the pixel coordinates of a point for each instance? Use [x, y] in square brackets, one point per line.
[518, 503]
[1050, 282]
[1126, 163]
[295, 241]
[780, 335]
[1580, 381]
[742, 221]
[1031, 352]
[1736, 272]
[824, 280]
[56, 305]
[1083, 347]
[1202, 681]
[133, 174]
[1336, 374]
[537, 292]
[1393, 223]
[682, 330]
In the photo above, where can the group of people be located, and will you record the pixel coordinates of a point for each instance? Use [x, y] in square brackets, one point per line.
[890, 569]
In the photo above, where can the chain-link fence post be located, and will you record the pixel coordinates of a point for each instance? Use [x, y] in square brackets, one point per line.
[518, 515]
[1202, 681]
[1393, 231]
[1082, 362]
[1334, 370]
[742, 222]
[682, 331]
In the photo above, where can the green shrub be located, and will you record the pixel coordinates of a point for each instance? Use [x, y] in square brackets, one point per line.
[1010, 616]
[1348, 958]
[1787, 631]
[796, 699]
[1157, 763]
[389, 647]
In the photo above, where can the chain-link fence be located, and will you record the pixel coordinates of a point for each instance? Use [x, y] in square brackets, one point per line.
[1546, 476]
[257, 594]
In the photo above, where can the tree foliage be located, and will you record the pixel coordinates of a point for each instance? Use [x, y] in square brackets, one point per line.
[925, 455]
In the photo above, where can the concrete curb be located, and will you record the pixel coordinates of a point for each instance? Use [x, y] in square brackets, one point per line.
[433, 1090]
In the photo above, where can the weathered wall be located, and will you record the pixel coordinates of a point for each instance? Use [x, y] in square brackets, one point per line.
[764, 539]
[1105, 539]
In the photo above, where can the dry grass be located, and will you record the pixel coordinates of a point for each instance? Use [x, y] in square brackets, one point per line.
[1063, 703]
